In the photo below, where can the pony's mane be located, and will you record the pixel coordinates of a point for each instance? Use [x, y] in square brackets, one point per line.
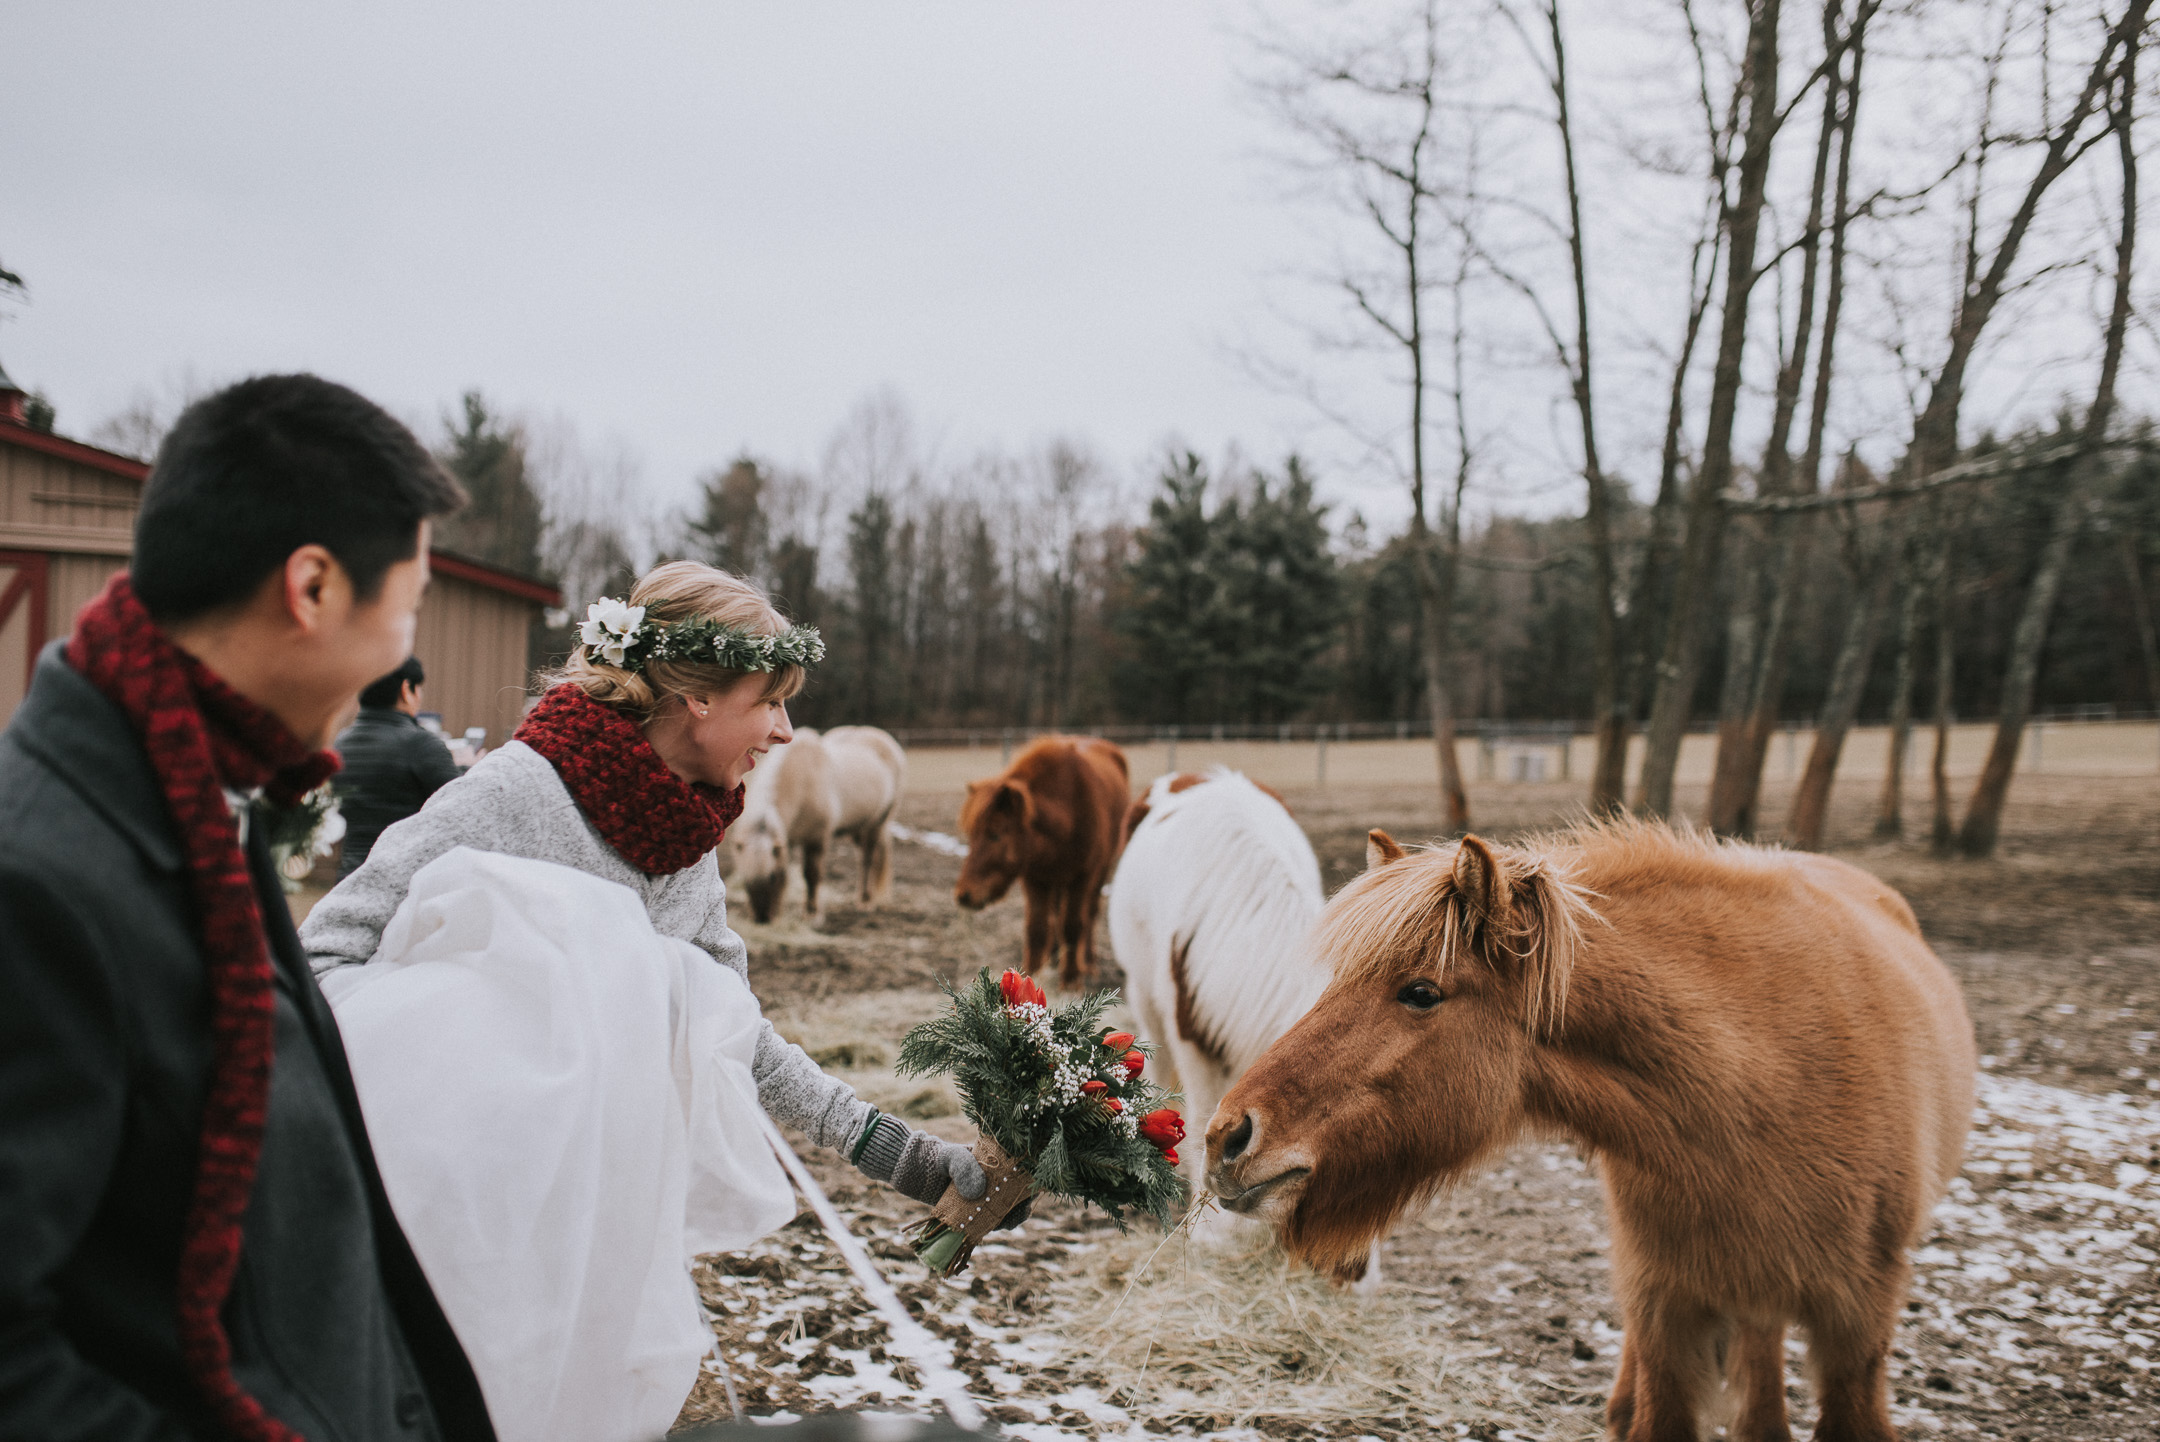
[1413, 915]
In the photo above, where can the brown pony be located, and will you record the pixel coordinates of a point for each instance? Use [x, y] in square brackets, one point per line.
[1053, 821]
[1773, 1071]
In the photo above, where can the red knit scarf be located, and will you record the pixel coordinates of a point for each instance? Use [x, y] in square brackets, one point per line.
[654, 819]
[203, 736]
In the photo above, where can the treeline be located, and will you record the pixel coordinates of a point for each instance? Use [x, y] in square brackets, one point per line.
[1000, 597]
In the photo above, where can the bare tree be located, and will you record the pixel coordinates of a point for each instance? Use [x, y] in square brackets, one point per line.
[1983, 813]
[1873, 574]
[1741, 220]
[1762, 625]
[1372, 113]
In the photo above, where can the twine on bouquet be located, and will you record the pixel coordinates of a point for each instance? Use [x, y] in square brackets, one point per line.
[932, 1358]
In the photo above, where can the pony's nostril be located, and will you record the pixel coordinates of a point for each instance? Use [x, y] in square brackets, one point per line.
[1235, 1144]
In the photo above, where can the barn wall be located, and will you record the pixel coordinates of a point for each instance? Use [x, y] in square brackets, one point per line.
[72, 581]
[77, 511]
[472, 642]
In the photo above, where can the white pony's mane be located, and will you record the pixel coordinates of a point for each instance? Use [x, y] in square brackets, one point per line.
[1222, 876]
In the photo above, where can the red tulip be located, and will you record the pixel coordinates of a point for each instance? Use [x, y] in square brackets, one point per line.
[1118, 1040]
[1134, 1061]
[1170, 1155]
[1165, 1128]
[1114, 1104]
[1019, 990]
[1093, 1088]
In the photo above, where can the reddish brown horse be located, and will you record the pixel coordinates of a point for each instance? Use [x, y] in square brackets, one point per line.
[1053, 822]
[1773, 1071]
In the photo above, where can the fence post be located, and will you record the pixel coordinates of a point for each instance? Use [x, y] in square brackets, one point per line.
[1320, 763]
[1567, 755]
[1792, 750]
[1005, 754]
[1173, 749]
[2038, 728]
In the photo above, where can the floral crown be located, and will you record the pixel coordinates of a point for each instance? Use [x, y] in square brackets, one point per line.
[619, 634]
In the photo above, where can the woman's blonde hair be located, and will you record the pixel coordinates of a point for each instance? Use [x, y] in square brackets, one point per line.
[682, 591]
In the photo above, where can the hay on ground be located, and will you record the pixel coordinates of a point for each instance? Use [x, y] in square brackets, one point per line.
[1217, 1334]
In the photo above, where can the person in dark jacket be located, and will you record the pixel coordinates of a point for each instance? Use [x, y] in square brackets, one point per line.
[194, 1239]
[392, 762]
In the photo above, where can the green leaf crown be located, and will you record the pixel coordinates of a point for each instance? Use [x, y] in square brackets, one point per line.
[622, 635]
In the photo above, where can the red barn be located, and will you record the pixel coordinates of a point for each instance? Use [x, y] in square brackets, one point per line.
[67, 521]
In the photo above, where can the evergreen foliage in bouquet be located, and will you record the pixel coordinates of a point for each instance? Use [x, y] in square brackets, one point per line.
[1061, 1101]
[301, 833]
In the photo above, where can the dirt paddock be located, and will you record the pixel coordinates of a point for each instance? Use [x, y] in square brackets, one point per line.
[2035, 1311]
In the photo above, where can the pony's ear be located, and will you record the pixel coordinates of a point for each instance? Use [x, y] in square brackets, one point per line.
[1380, 848]
[1013, 800]
[1526, 924]
[1480, 882]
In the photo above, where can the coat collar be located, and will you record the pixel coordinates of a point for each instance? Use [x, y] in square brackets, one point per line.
[386, 716]
[73, 729]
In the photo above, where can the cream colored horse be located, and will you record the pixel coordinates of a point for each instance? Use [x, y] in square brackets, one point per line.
[842, 782]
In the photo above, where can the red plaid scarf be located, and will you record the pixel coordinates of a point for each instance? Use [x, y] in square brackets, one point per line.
[654, 819]
[202, 736]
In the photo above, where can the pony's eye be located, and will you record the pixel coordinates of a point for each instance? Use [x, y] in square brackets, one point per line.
[1420, 996]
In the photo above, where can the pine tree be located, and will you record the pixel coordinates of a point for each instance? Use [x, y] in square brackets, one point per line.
[731, 528]
[1280, 599]
[870, 562]
[1171, 591]
[503, 523]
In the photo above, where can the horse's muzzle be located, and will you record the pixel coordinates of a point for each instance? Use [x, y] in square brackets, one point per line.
[1245, 1175]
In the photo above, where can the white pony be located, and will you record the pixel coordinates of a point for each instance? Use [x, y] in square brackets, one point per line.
[1208, 916]
[845, 782]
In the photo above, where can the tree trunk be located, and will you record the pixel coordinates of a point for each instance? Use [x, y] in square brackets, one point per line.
[1608, 702]
[2148, 647]
[1983, 814]
[1941, 835]
[1791, 537]
[1890, 811]
[1436, 616]
[1848, 680]
[1699, 548]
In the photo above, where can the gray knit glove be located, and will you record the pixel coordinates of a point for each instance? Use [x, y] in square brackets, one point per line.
[920, 1166]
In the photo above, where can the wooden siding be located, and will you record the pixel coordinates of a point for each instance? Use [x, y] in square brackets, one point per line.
[472, 642]
[53, 503]
[74, 506]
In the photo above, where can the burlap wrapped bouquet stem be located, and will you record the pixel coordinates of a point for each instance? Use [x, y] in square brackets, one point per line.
[1010, 1185]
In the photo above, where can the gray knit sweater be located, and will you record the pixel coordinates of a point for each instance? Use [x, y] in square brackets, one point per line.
[513, 802]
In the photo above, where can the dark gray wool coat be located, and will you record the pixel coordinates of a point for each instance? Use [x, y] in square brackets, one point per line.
[104, 1063]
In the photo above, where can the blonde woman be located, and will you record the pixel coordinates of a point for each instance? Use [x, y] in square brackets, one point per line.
[627, 772]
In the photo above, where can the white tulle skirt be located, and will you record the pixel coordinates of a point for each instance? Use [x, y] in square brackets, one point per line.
[562, 1106]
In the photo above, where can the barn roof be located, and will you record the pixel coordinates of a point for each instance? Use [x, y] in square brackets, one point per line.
[447, 563]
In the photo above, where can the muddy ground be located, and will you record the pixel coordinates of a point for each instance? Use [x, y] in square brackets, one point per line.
[2035, 1311]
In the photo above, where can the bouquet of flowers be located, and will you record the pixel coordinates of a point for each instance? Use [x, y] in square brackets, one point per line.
[1062, 1105]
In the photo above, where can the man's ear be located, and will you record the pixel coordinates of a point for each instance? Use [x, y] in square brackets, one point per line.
[1380, 849]
[313, 584]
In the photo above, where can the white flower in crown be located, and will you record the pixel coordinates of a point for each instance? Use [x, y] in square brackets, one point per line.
[608, 626]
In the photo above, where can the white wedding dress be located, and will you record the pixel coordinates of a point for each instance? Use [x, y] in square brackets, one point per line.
[562, 1106]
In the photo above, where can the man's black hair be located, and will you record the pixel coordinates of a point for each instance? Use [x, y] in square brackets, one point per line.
[387, 691]
[262, 468]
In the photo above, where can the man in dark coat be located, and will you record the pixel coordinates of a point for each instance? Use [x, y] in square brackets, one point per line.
[392, 763]
[194, 1239]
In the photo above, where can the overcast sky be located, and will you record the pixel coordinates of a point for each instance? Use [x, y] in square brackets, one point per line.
[693, 227]
[689, 229]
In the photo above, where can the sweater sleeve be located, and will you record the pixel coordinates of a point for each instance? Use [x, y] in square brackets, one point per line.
[791, 1087]
[345, 927]
[795, 1090]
